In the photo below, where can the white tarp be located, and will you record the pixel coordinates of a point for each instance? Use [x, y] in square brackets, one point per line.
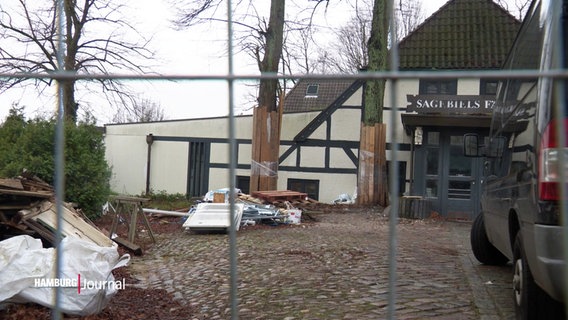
[27, 274]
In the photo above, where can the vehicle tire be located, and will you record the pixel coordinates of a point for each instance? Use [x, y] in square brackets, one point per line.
[531, 302]
[483, 250]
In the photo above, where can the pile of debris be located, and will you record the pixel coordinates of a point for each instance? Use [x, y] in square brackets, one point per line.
[27, 207]
[261, 207]
[28, 226]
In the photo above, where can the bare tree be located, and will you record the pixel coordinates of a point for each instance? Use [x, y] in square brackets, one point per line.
[262, 39]
[144, 110]
[349, 52]
[94, 42]
[518, 8]
[409, 15]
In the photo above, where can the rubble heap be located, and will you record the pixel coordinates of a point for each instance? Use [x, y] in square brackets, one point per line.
[27, 207]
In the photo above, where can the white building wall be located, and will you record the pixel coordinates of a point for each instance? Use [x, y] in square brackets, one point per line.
[330, 185]
[127, 148]
[313, 157]
[343, 119]
[169, 167]
[293, 123]
[126, 155]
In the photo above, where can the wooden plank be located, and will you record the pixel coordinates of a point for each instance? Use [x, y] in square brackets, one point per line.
[36, 194]
[11, 183]
[41, 230]
[73, 225]
[14, 206]
[136, 249]
[128, 199]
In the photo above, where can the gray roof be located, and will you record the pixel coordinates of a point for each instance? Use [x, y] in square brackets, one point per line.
[329, 90]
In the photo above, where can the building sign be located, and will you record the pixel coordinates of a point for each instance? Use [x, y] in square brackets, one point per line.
[446, 104]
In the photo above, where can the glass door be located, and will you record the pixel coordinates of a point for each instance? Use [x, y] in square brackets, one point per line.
[451, 180]
[459, 180]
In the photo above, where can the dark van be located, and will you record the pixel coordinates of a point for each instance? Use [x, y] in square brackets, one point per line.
[523, 200]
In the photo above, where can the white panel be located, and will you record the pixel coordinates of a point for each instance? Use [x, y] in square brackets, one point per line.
[169, 167]
[220, 153]
[338, 159]
[219, 178]
[356, 99]
[291, 159]
[312, 157]
[343, 119]
[128, 163]
[468, 86]
[404, 87]
[293, 123]
[245, 153]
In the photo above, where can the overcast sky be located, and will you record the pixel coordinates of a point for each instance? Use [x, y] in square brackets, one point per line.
[198, 51]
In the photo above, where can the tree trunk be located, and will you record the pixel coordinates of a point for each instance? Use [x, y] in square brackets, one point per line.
[372, 165]
[70, 106]
[372, 182]
[266, 117]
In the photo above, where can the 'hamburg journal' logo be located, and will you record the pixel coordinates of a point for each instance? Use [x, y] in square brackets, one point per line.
[80, 284]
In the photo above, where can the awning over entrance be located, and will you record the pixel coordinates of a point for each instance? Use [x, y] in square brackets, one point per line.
[411, 120]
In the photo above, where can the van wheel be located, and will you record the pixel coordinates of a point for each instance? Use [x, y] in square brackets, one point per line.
[483, 250]
[531, 302]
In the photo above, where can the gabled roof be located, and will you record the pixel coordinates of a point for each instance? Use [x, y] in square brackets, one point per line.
[462, 34]
[328, 90]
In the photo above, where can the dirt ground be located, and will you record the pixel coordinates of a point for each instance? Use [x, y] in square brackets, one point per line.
[134, 303]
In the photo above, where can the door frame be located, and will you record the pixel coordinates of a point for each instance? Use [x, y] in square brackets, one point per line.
[440, 202]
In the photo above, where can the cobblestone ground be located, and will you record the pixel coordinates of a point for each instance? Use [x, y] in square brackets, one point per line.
[336, 268]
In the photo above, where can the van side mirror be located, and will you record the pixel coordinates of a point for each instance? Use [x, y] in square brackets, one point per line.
[471, 146]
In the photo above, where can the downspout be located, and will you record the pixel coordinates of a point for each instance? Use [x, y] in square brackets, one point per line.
[412, 150]
[149, 141]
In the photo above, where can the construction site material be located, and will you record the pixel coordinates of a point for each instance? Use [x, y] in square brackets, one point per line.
[166, 212]
[126, 208]
[214, 216]
[279, 195]
[27, 274]
[27, 207]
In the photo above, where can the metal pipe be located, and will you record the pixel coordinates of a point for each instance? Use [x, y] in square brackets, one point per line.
[166, 212]
[149, 141]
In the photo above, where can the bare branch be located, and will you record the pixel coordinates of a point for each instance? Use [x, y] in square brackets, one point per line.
[28, 44]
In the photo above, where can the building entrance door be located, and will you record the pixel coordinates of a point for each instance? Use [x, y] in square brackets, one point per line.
[451, 179]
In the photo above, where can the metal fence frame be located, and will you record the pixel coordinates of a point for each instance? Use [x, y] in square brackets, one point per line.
[230, 78]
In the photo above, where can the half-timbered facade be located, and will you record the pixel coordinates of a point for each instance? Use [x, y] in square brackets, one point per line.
[319, 148]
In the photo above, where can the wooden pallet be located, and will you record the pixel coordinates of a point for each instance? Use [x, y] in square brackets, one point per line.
[279, 195]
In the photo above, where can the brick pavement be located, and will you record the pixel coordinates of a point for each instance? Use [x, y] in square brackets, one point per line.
[336, 268]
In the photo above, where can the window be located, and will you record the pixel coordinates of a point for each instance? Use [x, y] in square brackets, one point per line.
[434, 86]
[243, 183]
[488, 87]
[311, 187]
[312, 91]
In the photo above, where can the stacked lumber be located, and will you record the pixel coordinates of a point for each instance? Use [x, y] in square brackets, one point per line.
[27, 207]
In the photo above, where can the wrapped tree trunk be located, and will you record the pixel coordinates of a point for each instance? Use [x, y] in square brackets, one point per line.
[266, 117]
[372, 182]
